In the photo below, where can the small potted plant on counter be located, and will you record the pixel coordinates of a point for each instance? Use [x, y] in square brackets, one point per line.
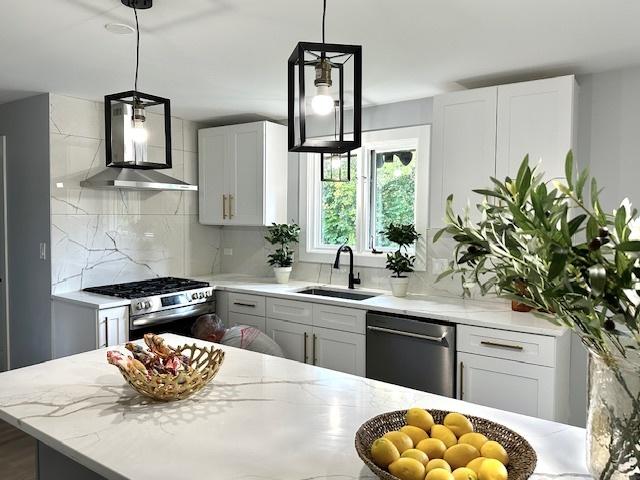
[399, 261]
[282, 235]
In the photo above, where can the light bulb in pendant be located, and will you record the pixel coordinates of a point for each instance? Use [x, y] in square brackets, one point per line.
[322, 103]
[335, 162]
[139, 133]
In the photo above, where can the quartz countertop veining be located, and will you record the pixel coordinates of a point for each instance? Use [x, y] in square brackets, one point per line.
[482, 313]
[262, 418]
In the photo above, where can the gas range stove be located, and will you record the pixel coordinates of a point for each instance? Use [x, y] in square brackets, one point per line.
[162, 300]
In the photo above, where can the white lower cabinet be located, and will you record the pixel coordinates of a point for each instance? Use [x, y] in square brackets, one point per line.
[235, 319]
[292, 338]
[112, 326]
[507, 385]
[341, 351]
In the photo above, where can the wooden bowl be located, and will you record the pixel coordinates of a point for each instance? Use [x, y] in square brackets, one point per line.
[205, 363]
[522, 457]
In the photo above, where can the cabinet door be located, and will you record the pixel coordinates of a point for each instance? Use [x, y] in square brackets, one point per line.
[507, 385]
[244, 174]
[113, 326]
[336, 350]
[213, 153]
[293, 338]
[463, 148]
[249, 320]
[535, 118]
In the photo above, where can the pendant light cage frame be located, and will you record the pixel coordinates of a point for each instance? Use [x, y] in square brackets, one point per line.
[328, 173]
[134, 99]
[306, 56]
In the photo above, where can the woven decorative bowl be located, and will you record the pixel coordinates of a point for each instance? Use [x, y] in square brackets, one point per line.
[205, 363]
[522, 457]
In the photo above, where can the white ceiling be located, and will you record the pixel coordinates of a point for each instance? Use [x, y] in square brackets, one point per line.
[217, 58]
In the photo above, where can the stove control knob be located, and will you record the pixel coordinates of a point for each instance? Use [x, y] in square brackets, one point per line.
[201, 295]
[147, 304]
[139, 306]
[194, 296]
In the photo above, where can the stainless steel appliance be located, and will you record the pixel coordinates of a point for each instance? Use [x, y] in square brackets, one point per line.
[162, 305]
[412, 352]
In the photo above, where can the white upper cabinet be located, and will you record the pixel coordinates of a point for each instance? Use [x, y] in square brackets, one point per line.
[243, 174]
[463, 148]
[535, 118]
[487, 132]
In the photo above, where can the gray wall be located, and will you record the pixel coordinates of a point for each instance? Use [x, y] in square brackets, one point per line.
[25, 123]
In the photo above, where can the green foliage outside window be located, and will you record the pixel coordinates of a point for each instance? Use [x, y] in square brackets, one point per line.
[339, 210]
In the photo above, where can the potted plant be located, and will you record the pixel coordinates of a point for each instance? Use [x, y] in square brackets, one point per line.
[582, 265]
[399, 261]
[282, 235]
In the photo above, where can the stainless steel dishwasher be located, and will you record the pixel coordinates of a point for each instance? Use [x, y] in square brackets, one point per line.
[413, 352]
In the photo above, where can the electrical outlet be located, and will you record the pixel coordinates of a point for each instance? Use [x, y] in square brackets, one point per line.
[228, 251]
[43, 251]
[439, 265]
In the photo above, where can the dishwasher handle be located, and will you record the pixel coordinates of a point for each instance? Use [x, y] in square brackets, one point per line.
[408, 334]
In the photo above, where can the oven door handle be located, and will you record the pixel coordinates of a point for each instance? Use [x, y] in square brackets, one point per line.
[165, 316]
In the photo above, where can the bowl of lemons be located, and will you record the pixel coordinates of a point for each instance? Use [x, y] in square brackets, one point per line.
[419, 444]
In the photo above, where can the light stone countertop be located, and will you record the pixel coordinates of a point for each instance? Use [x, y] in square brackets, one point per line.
[261, 418]
[482, 313]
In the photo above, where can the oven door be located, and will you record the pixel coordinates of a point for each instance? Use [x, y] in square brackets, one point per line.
[177, 320]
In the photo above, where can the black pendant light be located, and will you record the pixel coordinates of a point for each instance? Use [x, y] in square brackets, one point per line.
[126, 123]
[335, 70]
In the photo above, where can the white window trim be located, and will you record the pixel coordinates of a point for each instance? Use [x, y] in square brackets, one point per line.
[309, 184]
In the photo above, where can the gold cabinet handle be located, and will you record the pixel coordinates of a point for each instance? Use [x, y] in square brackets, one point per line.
[502, 345]
[461, 380]
[315, 360]
[306, 357]
[224, 206]
[230, 205]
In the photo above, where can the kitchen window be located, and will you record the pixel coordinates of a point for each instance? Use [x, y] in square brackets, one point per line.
[389, 182]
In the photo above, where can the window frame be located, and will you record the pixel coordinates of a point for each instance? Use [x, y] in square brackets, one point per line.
[310, 198]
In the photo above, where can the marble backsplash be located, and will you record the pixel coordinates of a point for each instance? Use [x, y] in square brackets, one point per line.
[110, 236]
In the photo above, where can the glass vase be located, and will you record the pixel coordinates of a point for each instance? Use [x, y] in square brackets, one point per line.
[613, 424]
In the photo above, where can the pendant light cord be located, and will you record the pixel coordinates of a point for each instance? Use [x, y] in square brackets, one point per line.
[324, 15]
[135, 84]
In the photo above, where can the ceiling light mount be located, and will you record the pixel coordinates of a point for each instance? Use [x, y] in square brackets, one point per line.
[138, 4]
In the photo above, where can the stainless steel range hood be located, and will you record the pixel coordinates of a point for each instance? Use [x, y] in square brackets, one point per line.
[135, 179]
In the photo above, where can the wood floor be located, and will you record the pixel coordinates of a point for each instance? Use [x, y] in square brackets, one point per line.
[17, 454]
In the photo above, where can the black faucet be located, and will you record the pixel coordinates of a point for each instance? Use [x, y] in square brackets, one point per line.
[352, 280]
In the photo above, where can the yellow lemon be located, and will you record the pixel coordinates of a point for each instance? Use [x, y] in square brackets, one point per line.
[474, 438]
[402, 441]
[439, 474]
[458, 424]
[419, 417]
[475, 464]
[416, 455]
[460, 455]
[433, 447]
[443, 433]
[438, 463]
[493, 449]
[384, 452]
[492, 469]
[416, 434]
[407, 469]
[464, 473]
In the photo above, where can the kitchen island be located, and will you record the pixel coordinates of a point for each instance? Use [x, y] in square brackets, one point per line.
[262, 418]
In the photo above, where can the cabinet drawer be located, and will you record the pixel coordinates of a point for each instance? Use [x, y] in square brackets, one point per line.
[521, 347]
[251, 304]
[290, 310]
[339, 318]
[249, 320]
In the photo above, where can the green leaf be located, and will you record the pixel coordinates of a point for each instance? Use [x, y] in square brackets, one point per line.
[597, 279]
[592, 228]
[575, 223]
[524, 167]
[620, 222]
[582, 180]
[439, 234]
[558, 261]
[568, 169]
[630, 246]
[490, 193]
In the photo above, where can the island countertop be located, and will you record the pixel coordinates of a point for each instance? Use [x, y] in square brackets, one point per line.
[262, 417]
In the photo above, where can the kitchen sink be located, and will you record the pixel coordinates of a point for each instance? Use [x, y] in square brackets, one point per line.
[349, 295]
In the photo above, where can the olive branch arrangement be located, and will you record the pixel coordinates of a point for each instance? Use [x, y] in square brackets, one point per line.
[554, 248]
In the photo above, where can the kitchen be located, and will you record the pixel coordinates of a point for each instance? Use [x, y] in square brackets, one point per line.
[159, 247]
